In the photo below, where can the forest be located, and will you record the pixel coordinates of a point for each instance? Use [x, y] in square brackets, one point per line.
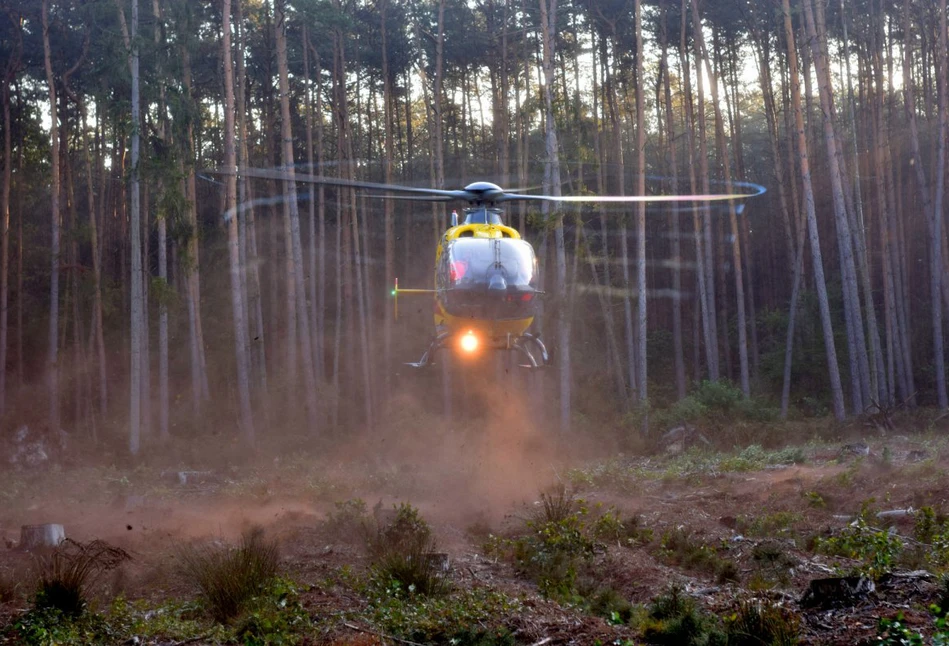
[149, 291]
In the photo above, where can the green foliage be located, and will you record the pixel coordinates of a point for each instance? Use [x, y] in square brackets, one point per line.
[675, 620]
[778, 522]
[895, 632]
[716, 403]
[46, 626]
[276, 618]
[65, 574]
[470, 616]
[877, 550]
[349, 521]
[228, 578]
[761, 623]
[772, 562]
[402, 552]
[678, 546]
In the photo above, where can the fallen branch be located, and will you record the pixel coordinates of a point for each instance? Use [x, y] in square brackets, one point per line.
[545, 640]
[380, 635]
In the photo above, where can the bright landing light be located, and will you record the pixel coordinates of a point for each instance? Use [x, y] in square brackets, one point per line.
[469, 342]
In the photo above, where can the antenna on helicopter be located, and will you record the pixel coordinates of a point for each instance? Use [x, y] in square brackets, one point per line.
[454, 218]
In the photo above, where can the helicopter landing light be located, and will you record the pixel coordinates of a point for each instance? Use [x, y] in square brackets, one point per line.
[469, 342]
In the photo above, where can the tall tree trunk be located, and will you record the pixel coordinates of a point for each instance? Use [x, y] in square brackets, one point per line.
[290, 195]
[200, 390]
[708, 241]
[388, 161]
[52, 366]
[254, 306]
[676, 252]
[130, 38]
[548, 22]
[856, 339]
[10, 72]
[241, 341]
[937, 275]
[732, 219]
[837, 397]
[642, 328]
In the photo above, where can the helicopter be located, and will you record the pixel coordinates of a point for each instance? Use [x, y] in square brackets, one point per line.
[486, 275]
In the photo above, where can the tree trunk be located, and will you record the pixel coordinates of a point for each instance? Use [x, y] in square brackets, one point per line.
[290, 195]
[732, 220]
[672, 171]
[837, 397]
[856, 340]
[642, 328]
[548, 22]
[52, 366]
[712, 325]
[245, 412]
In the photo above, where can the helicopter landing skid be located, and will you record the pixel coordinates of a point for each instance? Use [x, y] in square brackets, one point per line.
[437, 344]
[523, 345]
[529, 345]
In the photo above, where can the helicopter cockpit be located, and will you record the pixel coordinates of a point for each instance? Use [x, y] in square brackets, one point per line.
[488, 278]
[482, 215]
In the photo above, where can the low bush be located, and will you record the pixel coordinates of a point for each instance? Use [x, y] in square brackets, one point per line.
[349, 521]
[403, 551]
[674, 619]
[467, 617]
[680, 547]
[876, 550]
[761, 623]
[66, 573]
[229, 577]
[715, 403]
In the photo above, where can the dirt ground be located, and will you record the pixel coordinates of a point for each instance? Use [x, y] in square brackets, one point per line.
[739, 503]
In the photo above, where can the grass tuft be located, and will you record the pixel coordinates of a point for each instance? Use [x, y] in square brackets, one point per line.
[66, 573]
[230, 577]
[761, 623]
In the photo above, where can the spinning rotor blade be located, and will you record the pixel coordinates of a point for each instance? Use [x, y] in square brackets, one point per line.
[486, 192]
[713, 197]
[421, 198]
[282, 175]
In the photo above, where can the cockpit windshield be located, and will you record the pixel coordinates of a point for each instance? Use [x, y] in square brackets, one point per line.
[495, 264]
[482, 215]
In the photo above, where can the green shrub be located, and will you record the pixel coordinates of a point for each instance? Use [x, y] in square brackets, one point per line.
[229, 577]
[402, 551]
[680, 548]
[761, 623]
[66, 573]
[471, 616]
[876, 549]
[349, 520]
[675, 620]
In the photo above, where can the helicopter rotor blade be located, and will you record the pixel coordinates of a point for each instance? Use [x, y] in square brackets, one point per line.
[420, 198]
[283, 175]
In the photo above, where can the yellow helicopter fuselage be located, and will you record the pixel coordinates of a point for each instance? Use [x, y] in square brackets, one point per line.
[497, 327]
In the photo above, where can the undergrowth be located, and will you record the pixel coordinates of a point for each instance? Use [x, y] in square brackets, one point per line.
[680, 547]
[403, 553]
[674, 619]
[230, 577]
[65, 574]
[467, 617]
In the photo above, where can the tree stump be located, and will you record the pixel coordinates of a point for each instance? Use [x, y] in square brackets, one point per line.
[40, 536]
